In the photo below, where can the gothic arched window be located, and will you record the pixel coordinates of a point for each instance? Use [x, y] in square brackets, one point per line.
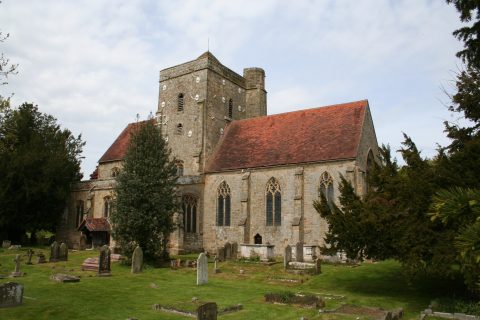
[180, 102]
[189, 206]
[79, 217]
[326, 186]
[273, 200]
[230, 108]
[223, 205]
[107, 206]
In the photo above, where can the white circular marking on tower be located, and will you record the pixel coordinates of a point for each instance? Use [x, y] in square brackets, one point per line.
[164, 87]
[239, 108]
[189, 134]
[163, 104]
[197, 79]
[223, 81]
[221, 130]
[166, 139]
[197, 97]
[223, 99]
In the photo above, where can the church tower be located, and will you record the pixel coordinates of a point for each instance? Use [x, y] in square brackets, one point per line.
[197, 101]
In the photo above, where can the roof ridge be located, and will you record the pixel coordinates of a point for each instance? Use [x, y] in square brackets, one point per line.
[346, 104]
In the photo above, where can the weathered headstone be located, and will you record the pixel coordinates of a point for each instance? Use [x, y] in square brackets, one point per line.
[207, 311]
[17, 272]
[215, 268]
[63, 252]
[83, 242]
[11, 294]
[318, 266]
[104, 261]
[287, 257]
[41, 258]
[299, 252]
[228, 251]
[234, 250]
[54, 252]
[29, 256]
[202, 269]
[6, 244]
[137, 260]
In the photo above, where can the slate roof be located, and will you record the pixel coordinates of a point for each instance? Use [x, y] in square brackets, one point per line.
[310, 135]
[95, 224]
[119, 147]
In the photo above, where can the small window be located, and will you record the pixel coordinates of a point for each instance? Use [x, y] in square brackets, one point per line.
[179, 168]
[230, 108]
[180, 102]
[326, 186]
[114, 172]
[179, 128]
[107, 206]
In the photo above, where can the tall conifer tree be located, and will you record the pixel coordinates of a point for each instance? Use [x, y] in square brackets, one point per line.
[145, 194]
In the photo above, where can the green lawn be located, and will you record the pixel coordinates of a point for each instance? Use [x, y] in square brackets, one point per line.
[125, 295]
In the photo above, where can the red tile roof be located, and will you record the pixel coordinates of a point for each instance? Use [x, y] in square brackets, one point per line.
[311, 135]
[119, 147]
[95, 224]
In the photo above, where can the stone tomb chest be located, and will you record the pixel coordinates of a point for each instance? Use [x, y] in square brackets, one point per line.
[264, 251]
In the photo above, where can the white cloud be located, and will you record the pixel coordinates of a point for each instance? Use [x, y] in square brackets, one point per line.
[94, 63]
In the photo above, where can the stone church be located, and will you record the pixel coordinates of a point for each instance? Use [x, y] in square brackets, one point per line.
[244, 176]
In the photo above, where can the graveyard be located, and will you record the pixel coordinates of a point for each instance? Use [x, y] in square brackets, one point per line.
[241, 288]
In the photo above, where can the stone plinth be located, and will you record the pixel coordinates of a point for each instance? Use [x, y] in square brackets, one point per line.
[264, 251]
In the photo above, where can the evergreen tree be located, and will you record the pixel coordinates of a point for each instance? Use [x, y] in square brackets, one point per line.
[38, 163]
[145, 197]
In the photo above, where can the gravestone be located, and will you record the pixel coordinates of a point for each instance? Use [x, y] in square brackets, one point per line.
[63, 252]
[29, 255]
[41, 258]
[54, 252]
[215, 268]
[234, 250]
[11, 294]
[6, 244]
[137, 260]
[228, 251]
[221, 254]
[104, 261]
[299, 252]
[202, 269]
[318, 266]
[83, 242]
[207, 311]
[287, 257]
[17, 272]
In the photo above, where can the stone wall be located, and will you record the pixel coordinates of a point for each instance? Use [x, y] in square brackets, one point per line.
[299, 222]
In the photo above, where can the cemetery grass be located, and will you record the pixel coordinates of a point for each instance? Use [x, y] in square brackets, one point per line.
[125, 295]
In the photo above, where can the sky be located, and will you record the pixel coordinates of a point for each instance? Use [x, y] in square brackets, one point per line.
[94, 64]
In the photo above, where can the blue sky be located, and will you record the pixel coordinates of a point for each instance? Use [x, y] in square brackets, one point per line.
[95, 64]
